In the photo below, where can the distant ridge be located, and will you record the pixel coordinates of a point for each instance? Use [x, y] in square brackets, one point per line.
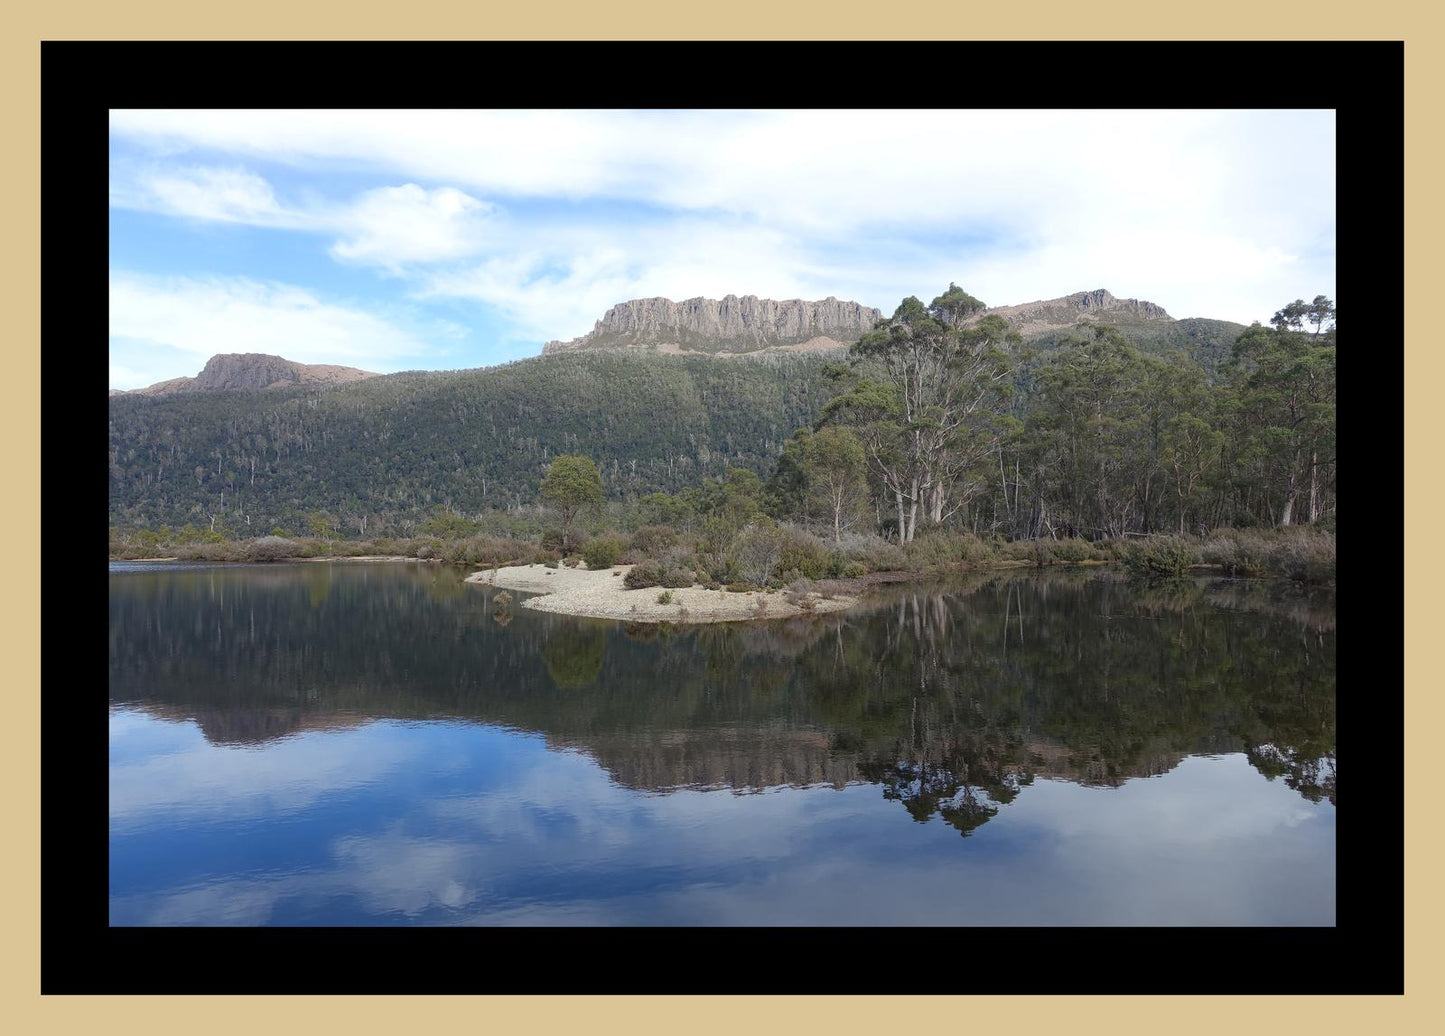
[1093, 307]
[252, 371]
[732, 324]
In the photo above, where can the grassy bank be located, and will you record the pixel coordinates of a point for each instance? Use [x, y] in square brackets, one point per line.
[767, 555]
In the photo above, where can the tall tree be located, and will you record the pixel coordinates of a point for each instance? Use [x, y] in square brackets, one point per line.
[835, 466]
[571, 485]
[937, 410]
[1285, 381]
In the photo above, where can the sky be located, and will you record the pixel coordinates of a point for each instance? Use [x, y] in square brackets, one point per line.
[441, 240]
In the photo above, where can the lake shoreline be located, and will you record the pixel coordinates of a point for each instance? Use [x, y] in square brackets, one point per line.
[603, 594]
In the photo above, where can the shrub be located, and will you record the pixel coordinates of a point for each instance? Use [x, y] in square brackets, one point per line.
[944, 549]
[756, 550]
[739, 588]
[571, 561]
[603, 551]
[552, 540]
[210, 552]
[1072, 551]
[760, 607]
[490, 551]
[873, 552]
[425, 552]
[271, 548]
[803, 553]
[653, 540]
[800, 595]
[665, 597]
[502, 599]
[1307, 557]
[547, 557]
[854, 569]
[643, 574]
[1159, 556]
[1237, 555]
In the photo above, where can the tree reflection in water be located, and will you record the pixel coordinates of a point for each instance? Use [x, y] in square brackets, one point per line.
[952, 698]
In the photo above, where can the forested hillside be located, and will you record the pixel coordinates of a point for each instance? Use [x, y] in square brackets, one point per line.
[942, 415]
[395, 447]
[1207, 342]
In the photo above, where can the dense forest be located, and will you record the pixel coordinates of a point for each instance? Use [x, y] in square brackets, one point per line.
[383, 454]
[936, 418]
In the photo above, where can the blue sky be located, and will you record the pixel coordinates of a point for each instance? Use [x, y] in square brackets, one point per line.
[395, 240]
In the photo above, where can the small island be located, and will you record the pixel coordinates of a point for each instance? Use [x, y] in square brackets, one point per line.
[604, 594]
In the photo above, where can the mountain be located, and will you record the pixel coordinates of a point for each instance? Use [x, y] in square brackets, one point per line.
[727, 325]
[1091, 307]
[252, 371]
[645, 395]
[1053, 322]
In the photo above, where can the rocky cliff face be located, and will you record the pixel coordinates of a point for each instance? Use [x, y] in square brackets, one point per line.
[1094, 307]
[730, 324]
[253, 370]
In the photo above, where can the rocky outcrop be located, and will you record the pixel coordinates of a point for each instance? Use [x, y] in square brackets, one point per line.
[731, 324]
[1092, 307]
[253, 371]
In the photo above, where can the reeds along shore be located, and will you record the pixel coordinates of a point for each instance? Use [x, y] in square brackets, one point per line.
[777, 556]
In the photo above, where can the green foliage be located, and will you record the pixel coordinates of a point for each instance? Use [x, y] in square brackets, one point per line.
[642, 575]
[603, 551]
[941, 550]
[393, 448]
[271, 548]
[804, 554]
[653, 539]
[1303, 554]
[677, 577]
[572, 485]
[1158, 556]
[1097, 435]
[1071, 551]
[665, 597]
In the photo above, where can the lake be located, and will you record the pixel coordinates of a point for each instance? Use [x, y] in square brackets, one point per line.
[380, 744]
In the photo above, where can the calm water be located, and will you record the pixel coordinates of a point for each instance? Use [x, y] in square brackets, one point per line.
[375, 744]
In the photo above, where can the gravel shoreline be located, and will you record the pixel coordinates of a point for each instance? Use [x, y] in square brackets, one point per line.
[601, 594]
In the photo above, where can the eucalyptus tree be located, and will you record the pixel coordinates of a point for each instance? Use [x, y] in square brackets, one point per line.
[936, 410]
[834, 466]
[1284, 379]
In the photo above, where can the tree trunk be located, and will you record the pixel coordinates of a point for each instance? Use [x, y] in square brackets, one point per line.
[1314, 485]
[913, 513]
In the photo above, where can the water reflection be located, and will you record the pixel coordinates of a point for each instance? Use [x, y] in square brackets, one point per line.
[333, 744]
[951, 698]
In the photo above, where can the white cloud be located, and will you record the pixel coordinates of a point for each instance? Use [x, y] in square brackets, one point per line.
[209, 193]
[1194, 210]
[390, 227]
[204, 316]
[393, 226]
